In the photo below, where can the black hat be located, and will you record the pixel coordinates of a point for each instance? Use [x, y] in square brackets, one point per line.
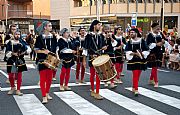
[137, 31]
[82, 27]
[95, 22]
[154, 25]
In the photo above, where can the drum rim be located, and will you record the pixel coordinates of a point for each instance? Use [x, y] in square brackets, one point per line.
[100, 63]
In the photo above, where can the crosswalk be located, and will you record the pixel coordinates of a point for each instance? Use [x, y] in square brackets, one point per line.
[30, 104]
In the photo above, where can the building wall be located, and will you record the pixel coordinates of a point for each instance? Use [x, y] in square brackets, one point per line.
[41, 9]
[2, 9]
[60, 10]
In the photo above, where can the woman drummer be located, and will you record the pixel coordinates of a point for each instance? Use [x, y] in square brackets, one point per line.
[45, 43]
[66, 54]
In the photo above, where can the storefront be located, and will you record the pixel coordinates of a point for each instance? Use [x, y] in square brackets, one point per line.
[143, 23]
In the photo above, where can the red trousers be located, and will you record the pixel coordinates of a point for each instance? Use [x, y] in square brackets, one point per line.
[80, 65]
[65, 74]
[119, 68]
[13, 76]
[54, 73]
[136, 76]
[45, 80]
[92, 75]
[154, 74]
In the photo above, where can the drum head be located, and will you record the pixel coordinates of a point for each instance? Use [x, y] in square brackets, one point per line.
[100, 60]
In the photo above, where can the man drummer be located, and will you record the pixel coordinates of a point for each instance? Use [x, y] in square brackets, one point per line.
[45, 43]
[93, 45]
[136, 54]
[155, 41]
[15, 63]
[66, 54]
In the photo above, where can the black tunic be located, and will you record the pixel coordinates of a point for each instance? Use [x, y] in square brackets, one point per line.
[156, 54]
[67, 58]
[93, 44]
[110, 49]
[119, 53]
[44, 43]
[79, 56]
[136, 63]
[18, 61]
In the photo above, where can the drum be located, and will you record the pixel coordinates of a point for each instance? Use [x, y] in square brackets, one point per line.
[51, 61]
[104, 68]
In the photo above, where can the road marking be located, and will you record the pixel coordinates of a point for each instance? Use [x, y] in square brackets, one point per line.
[129, 104]
[75, 69]
[30, 105]
[30, 66]
[53, 85]
[79, 104]
[174, 102]
[5, 74]
[161, 70]
[171, 87]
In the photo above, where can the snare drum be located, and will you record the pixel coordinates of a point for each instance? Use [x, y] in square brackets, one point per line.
[104, 68]
[51, 61]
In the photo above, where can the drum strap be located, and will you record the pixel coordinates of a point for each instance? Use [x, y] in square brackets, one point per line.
[95, 44]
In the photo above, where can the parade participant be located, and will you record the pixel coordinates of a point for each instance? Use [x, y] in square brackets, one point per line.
[155, 41]
[111, 43]
[15, 51]
[136, 54]
[66, 54]
[9, 36]
[119, 52]
[79, 57]
[31, 41]
[45, 43]
[93, 45]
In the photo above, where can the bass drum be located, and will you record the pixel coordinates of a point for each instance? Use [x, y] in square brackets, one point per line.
[104, 68]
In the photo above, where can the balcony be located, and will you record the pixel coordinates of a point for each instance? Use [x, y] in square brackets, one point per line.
[20, 14]
[20, 1]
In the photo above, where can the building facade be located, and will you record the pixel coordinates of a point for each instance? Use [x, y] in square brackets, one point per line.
[26, 14]
[119, 12]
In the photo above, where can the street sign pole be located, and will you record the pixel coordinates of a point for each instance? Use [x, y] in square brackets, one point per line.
[134, 20]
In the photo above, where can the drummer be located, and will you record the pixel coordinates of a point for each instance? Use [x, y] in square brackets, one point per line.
[136, 54]
[111, 43]
[66, 54]
[93, 45]
[45, 43]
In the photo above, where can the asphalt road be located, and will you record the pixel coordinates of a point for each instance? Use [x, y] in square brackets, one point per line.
[118, 101]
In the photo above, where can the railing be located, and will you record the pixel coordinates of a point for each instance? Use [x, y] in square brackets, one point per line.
[20, 14]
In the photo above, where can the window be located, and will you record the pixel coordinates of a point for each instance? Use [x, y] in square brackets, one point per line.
[77, 3]
[120, 1]
[140, 1]
[158, 1]
[2, 10]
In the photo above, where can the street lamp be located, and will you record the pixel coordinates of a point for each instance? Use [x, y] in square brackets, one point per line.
[7, 5]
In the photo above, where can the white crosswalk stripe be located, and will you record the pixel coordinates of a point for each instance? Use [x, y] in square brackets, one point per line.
[129, 104]
[79, 104]
[171, 87]
[30, 105]
[159, 97]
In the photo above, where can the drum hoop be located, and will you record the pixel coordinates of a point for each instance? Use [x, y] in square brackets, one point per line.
[100, 63]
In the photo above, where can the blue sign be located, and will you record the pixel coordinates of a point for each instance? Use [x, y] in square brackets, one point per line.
[133, 22]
